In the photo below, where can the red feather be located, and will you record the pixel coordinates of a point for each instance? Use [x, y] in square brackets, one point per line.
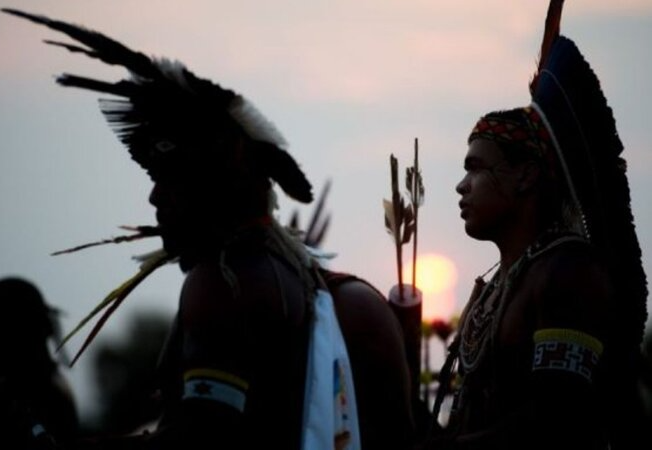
[551, 32]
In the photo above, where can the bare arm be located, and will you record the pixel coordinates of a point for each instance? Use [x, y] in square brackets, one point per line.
[375, 345]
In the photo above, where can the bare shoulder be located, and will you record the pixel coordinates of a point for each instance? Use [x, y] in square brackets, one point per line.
[369, 326]
[362, 308]
[206, 295]
[573, 286]
[574, 269]
[374, 342]
[217, 292]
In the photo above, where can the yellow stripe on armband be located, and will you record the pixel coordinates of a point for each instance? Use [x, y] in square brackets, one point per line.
[216, 375]
[570, 336]
[566, 350]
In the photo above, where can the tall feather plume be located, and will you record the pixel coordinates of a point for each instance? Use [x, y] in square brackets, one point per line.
[551, 32]
[569, 93]
[101, 47]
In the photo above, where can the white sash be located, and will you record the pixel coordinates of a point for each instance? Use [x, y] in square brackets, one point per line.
[330, 413]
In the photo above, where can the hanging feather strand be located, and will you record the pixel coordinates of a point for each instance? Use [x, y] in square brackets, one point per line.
[141, 233]
[115, 298]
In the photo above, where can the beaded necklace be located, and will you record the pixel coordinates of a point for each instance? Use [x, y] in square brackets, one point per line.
[481, 319]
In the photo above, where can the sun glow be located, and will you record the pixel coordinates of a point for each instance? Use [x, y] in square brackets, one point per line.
[436, 277]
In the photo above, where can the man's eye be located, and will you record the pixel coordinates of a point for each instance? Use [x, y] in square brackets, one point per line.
[474, 168]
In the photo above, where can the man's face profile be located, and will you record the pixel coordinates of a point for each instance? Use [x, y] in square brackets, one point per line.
[487, 189]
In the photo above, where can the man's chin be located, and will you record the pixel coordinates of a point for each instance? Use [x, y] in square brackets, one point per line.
[171, 245]
[476, 233]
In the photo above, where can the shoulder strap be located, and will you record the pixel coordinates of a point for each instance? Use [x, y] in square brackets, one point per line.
[330, 410]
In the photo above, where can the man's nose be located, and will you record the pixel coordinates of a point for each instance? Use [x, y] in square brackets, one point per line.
[155, 195]
[463, 186]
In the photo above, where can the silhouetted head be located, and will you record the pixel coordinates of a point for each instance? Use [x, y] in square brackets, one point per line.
[510, 161]
[200, 204]
[207, 143]
[26, 320]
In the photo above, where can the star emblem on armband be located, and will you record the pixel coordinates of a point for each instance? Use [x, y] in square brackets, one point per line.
[202, 388]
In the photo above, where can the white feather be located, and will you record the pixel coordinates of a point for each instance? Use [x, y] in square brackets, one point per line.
[257, 126]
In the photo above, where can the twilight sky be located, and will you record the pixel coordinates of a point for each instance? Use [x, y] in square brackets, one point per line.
[347, 82]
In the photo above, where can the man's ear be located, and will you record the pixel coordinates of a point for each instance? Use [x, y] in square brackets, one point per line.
[529, 177]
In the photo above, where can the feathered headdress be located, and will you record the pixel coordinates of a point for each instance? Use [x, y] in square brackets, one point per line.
[568, 97]
[313, 236]
[170, 119]
[174, 124]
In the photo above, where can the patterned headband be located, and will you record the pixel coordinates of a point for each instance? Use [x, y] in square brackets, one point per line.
[520, 126]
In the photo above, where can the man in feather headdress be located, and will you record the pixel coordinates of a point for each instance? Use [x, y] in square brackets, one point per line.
[256, 358]
[547, 350]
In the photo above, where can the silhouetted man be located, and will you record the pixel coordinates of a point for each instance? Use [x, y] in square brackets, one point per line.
[547, 350]
[256, 358]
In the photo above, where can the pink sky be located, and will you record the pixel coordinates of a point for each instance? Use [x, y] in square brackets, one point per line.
[346, 82]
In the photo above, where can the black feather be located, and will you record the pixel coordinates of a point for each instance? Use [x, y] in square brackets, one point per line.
[550, 34]
[278, 165]
[106, 49]
[121, 88]
[166, 107]
[571, 98]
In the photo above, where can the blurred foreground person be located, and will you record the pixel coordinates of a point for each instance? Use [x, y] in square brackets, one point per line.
[256, 358]
[36, 403]
[547, 350]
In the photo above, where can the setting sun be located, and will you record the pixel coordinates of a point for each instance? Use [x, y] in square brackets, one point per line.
[436, 278]
[435, 274]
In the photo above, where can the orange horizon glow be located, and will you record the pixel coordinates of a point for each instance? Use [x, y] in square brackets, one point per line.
[436, 277]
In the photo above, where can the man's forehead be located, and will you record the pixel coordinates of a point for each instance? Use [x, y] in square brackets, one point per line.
[482, 150]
